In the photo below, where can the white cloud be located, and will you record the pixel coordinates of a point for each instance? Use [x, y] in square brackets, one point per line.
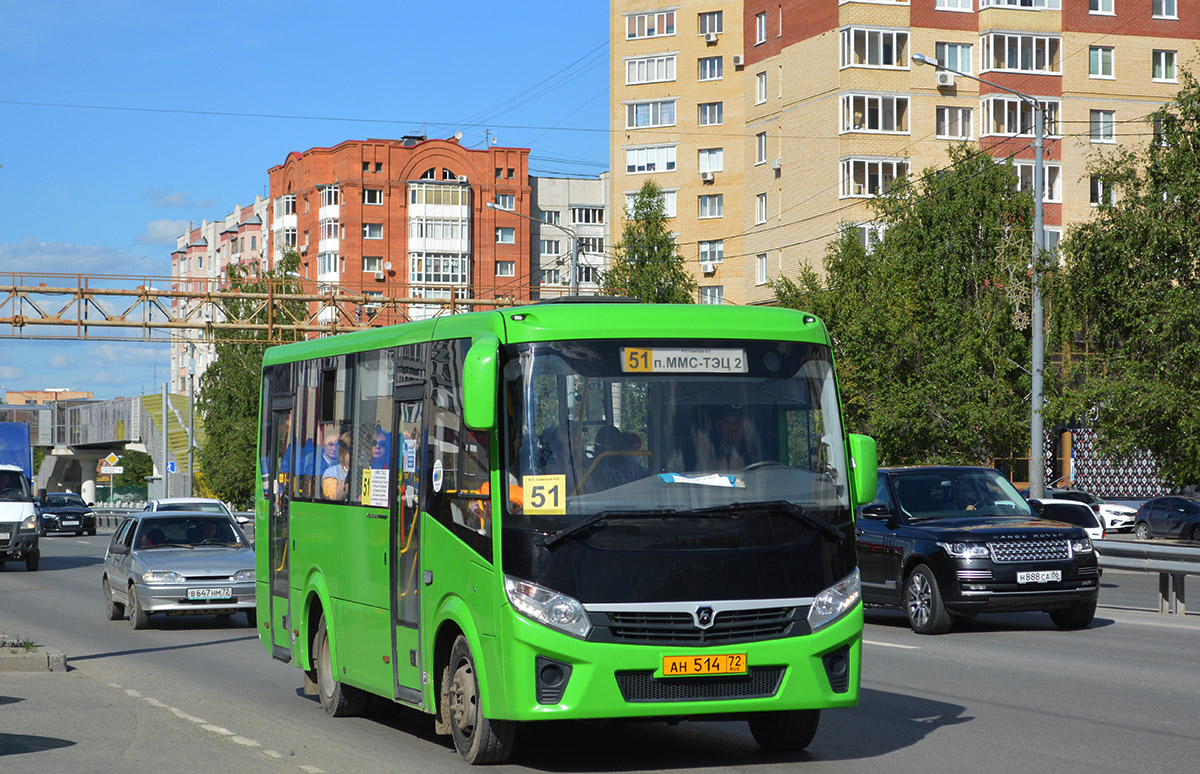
[11, 372]
[178, 199]
[61, 361]
[163, 230]
[30, 256]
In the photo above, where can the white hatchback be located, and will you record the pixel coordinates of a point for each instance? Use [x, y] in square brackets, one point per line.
[1070, 512]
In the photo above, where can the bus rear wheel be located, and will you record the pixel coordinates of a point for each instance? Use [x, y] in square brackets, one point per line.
[788, 731]
[337, 699]
[477, 739]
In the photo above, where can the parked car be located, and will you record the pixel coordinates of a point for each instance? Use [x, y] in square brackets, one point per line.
[1069, 512]
[178, 563]
[939, 542]
[1116, 517]
[1168, 517]
[65, 512]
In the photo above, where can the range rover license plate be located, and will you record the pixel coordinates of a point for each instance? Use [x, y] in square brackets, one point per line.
[1040, 576]
[225, 593]
[715, 664]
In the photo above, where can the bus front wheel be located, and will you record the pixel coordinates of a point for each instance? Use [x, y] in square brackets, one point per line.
[477, 739]
[337, 699]
[785, 731]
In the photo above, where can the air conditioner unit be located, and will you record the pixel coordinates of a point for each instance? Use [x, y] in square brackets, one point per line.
[708, 267]
[379, 276]
[777, 164]
[738, 60]
[303, 249]
[462, 178]
[943, 79]
[710, 37]
[706, 177]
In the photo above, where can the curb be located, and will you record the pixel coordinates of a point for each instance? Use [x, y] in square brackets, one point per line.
[33, 661]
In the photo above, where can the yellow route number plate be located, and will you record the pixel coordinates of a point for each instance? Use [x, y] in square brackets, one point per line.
[716, 664]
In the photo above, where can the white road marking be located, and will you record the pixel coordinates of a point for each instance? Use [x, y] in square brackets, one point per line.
[272, 754]
[245, 742]
[217, 730]
[190, 718]
[891, 645]
[312, 770]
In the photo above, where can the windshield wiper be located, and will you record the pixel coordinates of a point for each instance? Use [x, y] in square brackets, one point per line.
[171, 545]
[788, 507]
[554, 538]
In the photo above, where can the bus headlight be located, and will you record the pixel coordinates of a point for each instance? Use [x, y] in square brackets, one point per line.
[832, 603]
[548, 607]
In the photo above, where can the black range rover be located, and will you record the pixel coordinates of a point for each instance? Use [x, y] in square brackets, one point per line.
[940, 542]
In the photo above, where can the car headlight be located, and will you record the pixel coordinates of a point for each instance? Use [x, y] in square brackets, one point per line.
[89, 515]
[966, 550]
[833, 602]
[161, 576]
[244, 576]
[548, 607]
[30, 523]
[1081, 545]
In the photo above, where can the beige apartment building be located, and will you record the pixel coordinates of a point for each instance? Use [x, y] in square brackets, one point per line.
[833, 108]
[678, 118]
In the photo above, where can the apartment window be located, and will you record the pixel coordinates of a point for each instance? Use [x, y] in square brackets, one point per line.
[378, 166]
[372, 263]
[955, 56]
[870, 177]
[253, 243]
[1164, 66]
[713, 252]
[712, 159]
[668, 201]
[760, 208]
[639, 115]
[372, 196]
[506, 201]
[870, 235]
[713, 294]
[331, 196]
[711, 113]
[372, 231]
[712, 206]
[650, 69]
[285, 205]
[1164, 9]
[1021, 53]
[760, 269]
[506, 268]
[954, 123]
[506, 236]
[550, 216]
[1033, 5]
[1099, 193]
[760, 28]
[1161, 126]
[549, 247]
[711, 22]
[711, 68]
[952, 5]
[1100, 62]
[1051, 184]
[760, 88]
[548, 277]
[589, 215]
[327, 263]
[1103, 126]
[1011, 116]
[864, 113]
[650, 25]
[331, 228]
[1100, 6]
[588, 274]
[660, 158]
[366, 166]
[591, 245]
[760, 148]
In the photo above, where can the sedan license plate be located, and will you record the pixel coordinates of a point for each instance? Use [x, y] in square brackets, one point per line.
[5, 535]
[225, 593]
[716, 664]
[70, 524]
[1040, 576]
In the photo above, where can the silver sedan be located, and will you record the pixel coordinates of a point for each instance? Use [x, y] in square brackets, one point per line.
[178, 564]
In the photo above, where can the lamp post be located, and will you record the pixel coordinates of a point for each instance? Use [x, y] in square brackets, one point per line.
[1037, 466]
[574, 283]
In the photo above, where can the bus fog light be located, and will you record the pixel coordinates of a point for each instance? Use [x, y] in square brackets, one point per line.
[833, 602]
[547, 607]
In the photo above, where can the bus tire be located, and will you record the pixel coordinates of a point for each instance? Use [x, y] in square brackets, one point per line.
[477, 739]
[337, 699]
[785, 731]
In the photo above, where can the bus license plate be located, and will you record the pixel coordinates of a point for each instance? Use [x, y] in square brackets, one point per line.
[210, 593]
[717, 664]
[1040, 576]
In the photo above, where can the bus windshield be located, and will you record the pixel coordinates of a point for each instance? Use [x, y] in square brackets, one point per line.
[670, 427]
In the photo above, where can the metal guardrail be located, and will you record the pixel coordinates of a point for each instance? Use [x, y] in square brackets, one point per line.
[1172, 563]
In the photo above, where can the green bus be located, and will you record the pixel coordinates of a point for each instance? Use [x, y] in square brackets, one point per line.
[583, 509]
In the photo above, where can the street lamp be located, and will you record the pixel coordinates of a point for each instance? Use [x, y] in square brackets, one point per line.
[1037, 466]
[574, 284]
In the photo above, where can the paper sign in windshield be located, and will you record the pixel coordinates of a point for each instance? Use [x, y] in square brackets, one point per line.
[679, 360]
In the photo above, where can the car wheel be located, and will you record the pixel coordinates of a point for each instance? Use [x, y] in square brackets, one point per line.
[338, 700]
[477, 739]
[92, 531]
[788, 731]
[138, 618]
[1194, 535]
[1142, 531]
[1078, 616]
[32, 560]
[923, 603]
[114, 609]
[252, 618]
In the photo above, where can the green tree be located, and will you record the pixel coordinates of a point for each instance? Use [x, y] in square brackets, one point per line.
[1128, 298]
[648, 265]
[229, 392]
[135, 466]
[930, 325]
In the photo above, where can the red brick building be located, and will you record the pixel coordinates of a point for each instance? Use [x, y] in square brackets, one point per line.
[405, 218]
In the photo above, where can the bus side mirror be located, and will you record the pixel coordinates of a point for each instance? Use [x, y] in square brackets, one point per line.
[479, 383]
[864, 468]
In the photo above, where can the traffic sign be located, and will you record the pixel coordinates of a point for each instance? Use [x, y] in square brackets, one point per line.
[111, 459]
[171, 467]
[112, 470]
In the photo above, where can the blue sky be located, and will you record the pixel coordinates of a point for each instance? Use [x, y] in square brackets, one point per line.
[189, 104]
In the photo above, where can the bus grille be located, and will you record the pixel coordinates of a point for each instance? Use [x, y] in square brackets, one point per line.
[760, 683]
[679, 628]
[1030, 551]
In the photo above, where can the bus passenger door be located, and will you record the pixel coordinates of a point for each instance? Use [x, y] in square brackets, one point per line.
[278, 492]
[408, 460]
